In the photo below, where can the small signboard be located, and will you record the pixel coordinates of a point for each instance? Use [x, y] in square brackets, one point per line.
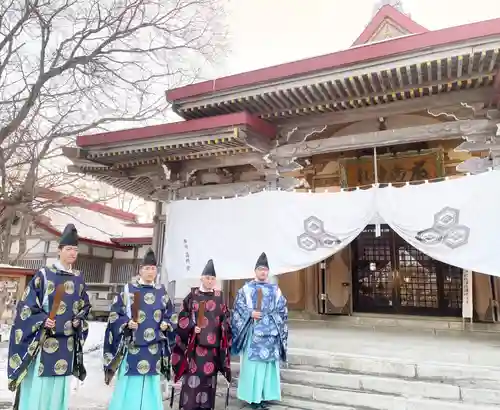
[467, 293]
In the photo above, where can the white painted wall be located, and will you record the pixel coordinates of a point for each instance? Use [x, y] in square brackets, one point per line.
[32, 246]
[123, 254]
[53, 246]
[164, 208]
[142, 251]
[51, 261]
[103, 252]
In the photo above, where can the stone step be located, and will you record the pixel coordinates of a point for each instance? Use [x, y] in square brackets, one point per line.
[369, 400]
[386, 322]
[462, 375]
[297, 404]
[329, 399]
[411, 388]
[347, 375]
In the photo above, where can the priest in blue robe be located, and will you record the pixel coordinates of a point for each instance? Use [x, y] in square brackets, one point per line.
[139, 350]
[45, 352]
[260, 336]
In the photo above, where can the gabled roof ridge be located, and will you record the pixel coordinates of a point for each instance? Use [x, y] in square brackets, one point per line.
[71, 200]
[388, 12]
[420, 42]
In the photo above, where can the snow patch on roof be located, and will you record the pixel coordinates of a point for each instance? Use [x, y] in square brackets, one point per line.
[94, 225]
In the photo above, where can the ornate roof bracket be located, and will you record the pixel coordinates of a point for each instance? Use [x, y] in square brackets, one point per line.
[257, 142]
[476, 165]
[236, 189]
[222, 162]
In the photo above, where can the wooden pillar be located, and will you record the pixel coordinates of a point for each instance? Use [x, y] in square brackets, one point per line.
[293, 287]
[311, 289]
[482, 297]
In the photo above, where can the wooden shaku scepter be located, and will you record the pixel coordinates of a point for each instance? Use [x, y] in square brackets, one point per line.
[58, 296]
[201, 315]
[259, 300]
[135, 311]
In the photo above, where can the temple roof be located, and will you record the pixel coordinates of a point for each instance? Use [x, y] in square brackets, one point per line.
[97, 224]
[419, 40]
[395, 67]
[388, 22]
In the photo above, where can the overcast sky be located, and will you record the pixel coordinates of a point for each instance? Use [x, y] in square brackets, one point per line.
[269, 32]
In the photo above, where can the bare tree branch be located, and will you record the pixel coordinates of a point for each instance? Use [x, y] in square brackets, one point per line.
[69, 67]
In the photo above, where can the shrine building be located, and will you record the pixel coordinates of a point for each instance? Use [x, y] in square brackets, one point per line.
[401, 93]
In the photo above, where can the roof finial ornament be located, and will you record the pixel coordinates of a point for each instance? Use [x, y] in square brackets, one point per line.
[397, 4]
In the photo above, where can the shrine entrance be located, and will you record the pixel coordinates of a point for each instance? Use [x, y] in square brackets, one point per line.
[391, 276]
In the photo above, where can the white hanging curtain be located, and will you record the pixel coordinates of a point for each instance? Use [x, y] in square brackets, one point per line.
[295, 230]
[455, 221]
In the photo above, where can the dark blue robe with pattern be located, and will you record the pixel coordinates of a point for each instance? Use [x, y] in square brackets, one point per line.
[147, 349]
[60, 348]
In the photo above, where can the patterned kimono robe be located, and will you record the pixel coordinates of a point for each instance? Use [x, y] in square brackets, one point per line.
[41, 360]
[199, 358]
[139, 356]
[262, 343]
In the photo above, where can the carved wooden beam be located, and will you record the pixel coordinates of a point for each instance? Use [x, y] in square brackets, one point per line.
[235, 189]
[385, 110]
[443, 131]
[299, 134]
[475, 165]
[253, 140]
[224, 161]
[462, 111]
[205, 178]
[494, 99]
[72, 152]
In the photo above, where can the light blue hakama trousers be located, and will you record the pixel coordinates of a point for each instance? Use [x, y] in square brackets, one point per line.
[136, 392]
[258, 381]
[44, 393]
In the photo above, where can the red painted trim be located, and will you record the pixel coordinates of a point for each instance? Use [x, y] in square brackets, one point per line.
[54, 231]
[133, 241]
[143, 225]
[181, 127]
[343, 58]
[16, 272]
[83, 203]
[388, 12]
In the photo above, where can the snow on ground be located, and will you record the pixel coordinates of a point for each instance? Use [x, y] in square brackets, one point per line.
[91, 394]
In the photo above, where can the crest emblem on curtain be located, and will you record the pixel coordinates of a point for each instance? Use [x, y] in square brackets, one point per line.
[446, 230]
[315, 236]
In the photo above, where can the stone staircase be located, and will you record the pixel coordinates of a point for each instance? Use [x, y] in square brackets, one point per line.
[402, 368]
[356, 368]
[319, 380]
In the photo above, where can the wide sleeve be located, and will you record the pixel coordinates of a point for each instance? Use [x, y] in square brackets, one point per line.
[81, 332]
[169, 318]
[227, 341]
[27, 330]
[82, 315]
[185, 323]
[282, 322]
[240, 322]
[184, 330]
[115, 334]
